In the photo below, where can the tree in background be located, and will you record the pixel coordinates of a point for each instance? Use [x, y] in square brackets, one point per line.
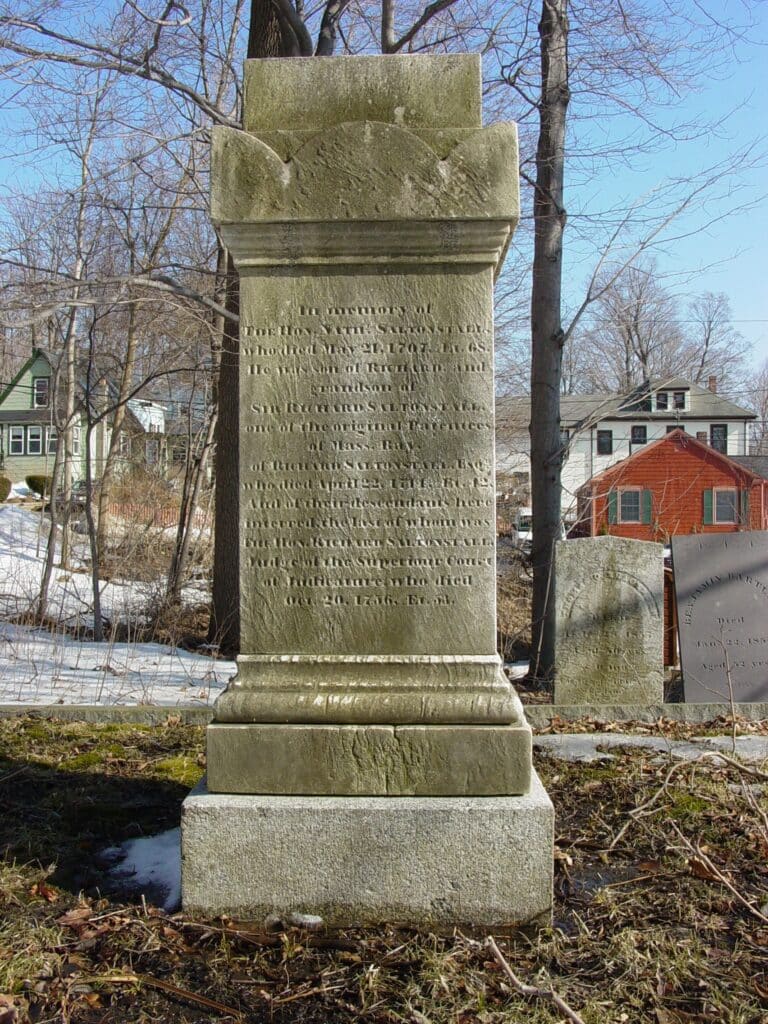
[759, 403]
[639, 330]
[613, 69]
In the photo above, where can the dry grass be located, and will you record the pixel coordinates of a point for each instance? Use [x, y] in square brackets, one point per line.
[643, 929]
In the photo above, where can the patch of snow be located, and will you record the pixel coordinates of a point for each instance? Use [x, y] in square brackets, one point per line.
[150, 865]
[41, 667]
[38, 667]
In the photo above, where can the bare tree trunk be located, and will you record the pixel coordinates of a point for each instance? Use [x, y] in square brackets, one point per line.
[193, 479]
[98, 623]
[50, 551]
[547, 336]
[108, 471]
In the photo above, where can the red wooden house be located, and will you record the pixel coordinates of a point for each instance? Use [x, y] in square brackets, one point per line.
[677, 485]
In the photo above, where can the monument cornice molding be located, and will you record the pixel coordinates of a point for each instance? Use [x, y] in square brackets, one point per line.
[365, 171]
[297, 243]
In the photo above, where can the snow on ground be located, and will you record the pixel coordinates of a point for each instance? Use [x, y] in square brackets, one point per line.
[150, 865]
[40, 667]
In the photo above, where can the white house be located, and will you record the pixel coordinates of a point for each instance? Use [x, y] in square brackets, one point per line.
[599, 430]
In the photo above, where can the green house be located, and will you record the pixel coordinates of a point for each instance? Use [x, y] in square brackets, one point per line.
[28, 436]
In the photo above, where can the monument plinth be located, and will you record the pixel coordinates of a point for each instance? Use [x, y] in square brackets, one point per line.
[367, 223]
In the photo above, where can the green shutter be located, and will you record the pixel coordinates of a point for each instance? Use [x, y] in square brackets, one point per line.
[612, 517]
[645, 515]
[744, 508]
[708, 508]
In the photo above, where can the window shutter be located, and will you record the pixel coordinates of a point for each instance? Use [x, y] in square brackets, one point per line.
[744, 508]
[612, 517]
[708, 507]
[645, 514]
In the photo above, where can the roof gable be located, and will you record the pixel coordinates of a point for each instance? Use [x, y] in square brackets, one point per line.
[676, 441]
[37, 353]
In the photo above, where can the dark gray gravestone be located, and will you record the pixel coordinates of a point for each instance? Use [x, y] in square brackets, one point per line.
[721, 588]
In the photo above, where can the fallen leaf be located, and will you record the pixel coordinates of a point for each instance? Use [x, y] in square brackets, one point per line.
[8, 1012]
[44, 892]
[75, 918]
[649, 865]
[701, 870]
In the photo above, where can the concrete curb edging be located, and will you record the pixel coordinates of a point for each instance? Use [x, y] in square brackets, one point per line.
[540, 715]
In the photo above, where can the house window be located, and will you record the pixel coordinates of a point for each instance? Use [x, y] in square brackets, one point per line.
[75, 440]
[629, 505]
[639, 435]
[565, 437]
[718, 437]
[675, 426]
[52, 440]
[16, 440]
[34, 440]
[725, 505]
[179, 452]
[124, 445]
[41, 392]
[678, 400]
[605, 442]
[662, 400]
[152, 450]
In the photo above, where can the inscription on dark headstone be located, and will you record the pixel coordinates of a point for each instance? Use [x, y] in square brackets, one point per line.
[721, 588]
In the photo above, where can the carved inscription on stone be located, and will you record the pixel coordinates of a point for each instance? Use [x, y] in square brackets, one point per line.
[609, 621]
[721, 588]
[367, 501]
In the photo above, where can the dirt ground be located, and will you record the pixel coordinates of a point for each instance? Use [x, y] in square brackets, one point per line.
[661, 904]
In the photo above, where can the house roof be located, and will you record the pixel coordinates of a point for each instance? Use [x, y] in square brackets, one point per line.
[757, 464]
[36, 354]
[678, 440]
[583, 411]
[42, 415]
[141, 412]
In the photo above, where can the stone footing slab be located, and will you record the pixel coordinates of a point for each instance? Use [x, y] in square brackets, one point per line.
[440, 861]
[369, 760]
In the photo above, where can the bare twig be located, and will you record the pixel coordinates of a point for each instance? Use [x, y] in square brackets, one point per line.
[648, 806]
[696, 851]
[165, 986]
[532, 990]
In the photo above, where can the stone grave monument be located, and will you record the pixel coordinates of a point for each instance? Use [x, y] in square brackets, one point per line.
[721, 590]
[370, 761]
[609, 621]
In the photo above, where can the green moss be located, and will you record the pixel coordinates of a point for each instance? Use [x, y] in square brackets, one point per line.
[182, 769]
[81, 762]
[687, 807]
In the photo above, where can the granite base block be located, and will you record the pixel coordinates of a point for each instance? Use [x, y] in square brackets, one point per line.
[437, 861]
[369, 760]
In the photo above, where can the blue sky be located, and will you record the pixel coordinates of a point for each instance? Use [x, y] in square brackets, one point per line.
[731, 254]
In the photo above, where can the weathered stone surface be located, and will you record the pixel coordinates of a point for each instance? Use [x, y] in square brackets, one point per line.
[370, 860]
[609, 614]
[721, 588]
[428, 92]
[370, 760]
[364, 172]
[366, 448]
[368, 213]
